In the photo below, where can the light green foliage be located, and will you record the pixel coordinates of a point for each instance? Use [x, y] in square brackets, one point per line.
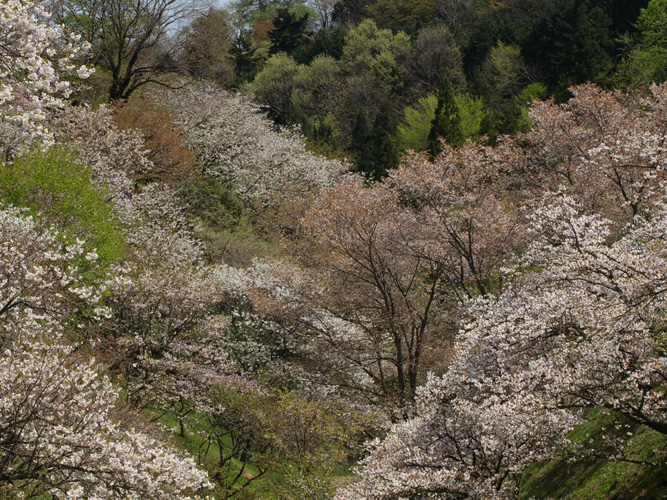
[413, 133]
[471, 111]
[273, 86]
[55, 184]
[368, 48]
[500, 74]
[533, 91]
[647, 60]
[499, 80]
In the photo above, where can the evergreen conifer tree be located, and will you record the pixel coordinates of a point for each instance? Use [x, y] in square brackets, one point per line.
[447, 122]
[385, 149]
[361, 142]
[289, 31]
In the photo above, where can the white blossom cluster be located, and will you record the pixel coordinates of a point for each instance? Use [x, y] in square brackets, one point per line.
[60, 434]
[152, 217]
[34, 56]
[114, 155]
[239, 145]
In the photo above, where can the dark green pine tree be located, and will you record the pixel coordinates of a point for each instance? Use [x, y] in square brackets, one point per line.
[447, 122]
[587, 56]
[361, 143]
[245, 61]
[289, 31]
[385, 149]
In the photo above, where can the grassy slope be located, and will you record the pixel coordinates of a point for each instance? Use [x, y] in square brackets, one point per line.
[601, 479]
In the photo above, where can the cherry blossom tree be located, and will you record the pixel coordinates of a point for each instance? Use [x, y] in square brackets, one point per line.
[605, 148]
[383, 270]
[465, 204]
[35, 54]
[238, 144]
[60, 430]
[379, 282]
[578, 326]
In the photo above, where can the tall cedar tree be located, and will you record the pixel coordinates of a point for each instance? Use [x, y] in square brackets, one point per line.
[447, 122]
[289, 31]
[587, 57]
[243, 55]
[385, 150]
[361, 143]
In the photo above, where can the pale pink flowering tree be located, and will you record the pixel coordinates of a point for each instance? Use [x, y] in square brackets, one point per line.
[373, 295]
[35, 54]
[60, 432]
[606, 149]
[579, 326]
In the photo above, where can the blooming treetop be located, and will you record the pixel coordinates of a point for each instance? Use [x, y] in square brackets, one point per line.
[34, 54]
[239, 145]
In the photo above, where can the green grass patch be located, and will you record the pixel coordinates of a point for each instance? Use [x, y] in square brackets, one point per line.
[598, 478]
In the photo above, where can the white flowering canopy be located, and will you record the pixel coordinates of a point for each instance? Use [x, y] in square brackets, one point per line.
[34, 56]
[238, 144]
[60, 433]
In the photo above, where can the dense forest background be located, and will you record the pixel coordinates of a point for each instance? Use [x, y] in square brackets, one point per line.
[333, 250]
[363, 79]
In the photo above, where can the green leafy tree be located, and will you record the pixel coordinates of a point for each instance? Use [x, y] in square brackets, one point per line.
[446, 123]
[380, 52]
[273, 86]
[499, 80]
[413, 133]
[317, 85]
[646, 60]
[55, 184]
[472, 112]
